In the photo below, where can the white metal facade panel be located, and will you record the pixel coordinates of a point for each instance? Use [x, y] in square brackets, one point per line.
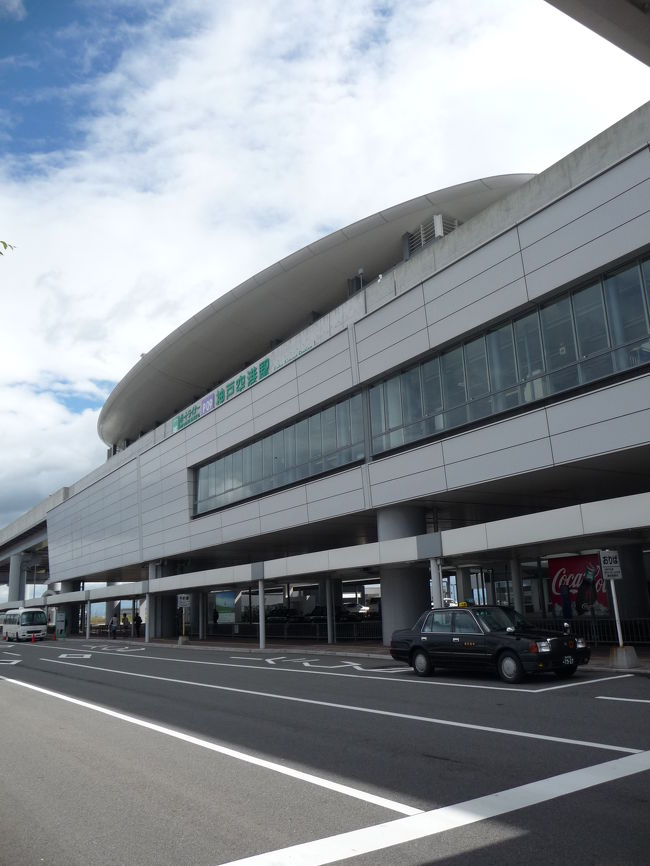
[483, 261]
[476, 315]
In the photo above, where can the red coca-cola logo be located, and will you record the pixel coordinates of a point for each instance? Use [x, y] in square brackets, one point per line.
[574, 579]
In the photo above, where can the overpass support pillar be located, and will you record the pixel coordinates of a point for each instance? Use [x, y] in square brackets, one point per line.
[436, 582]
[405, 590]
[329, 606]
[517, 585]
[261, 613]
[464, 591]
[16, 578]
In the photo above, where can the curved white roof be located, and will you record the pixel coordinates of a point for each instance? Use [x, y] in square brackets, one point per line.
[240, 326]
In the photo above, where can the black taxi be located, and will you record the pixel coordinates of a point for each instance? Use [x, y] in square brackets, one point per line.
[487, 637]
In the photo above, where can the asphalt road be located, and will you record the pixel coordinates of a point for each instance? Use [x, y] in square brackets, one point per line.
[117, 754]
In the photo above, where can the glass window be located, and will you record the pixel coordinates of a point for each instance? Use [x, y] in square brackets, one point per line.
[465, 622]
[237, 469]
[411, 396]
[217, 472]
[315, 444]
[226, 463]
[377, 414]
[290, 446]
[393, 403]
[432, 394]
[202, 484]
[591, 325]
[645, 269]
[625, 306]
[343, 432]
[557, 328]
[501, 356]
[267, 457]
[438, 620]
[302, 442]
[256, 461]
[453, 377]
[477, 370]
[328, 419]
[246, 464]
[356, 419]
[278, 452]
[529, 346]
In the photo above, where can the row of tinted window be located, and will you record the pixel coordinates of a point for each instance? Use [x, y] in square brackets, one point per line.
[326, 440]
[579, 337]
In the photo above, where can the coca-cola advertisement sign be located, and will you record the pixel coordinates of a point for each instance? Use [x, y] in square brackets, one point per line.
[577, 586]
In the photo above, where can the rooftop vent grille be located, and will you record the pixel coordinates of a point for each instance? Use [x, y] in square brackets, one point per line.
[438, 226]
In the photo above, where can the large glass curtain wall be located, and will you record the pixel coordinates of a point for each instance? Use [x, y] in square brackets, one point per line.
[577, 338]
[327, 440]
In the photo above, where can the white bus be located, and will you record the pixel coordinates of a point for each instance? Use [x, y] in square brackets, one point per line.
[23, 622]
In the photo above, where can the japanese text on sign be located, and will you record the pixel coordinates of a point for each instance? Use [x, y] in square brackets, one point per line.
[224, 393]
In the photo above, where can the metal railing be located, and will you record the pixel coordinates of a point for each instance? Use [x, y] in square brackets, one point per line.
[362, 630]
[600, 630]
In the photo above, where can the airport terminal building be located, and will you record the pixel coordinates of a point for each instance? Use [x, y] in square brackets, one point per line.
[448, 398]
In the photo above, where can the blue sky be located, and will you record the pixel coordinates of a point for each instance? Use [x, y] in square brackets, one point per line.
[156, 153]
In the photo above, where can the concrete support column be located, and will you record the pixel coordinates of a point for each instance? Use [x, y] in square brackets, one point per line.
[436, 584]
[203, 615]
[113, 608]
[88, 620]
[16, 578]
[464, 585]
[405, 591]
[262, 613]
[517, 585]
[546, 594]
[161, 616]
[196, 612]
[536, 587]
[147, 613]
[329, 604]
[489, 589]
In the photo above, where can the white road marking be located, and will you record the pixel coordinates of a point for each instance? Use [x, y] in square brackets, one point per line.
[75, 656]
[231, 753]
[583, 683]
[348, 707]
[415, 681]
[358, 842]
[10, 661]
[628, 700]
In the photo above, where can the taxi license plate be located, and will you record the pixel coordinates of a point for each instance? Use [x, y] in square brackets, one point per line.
[567, 660]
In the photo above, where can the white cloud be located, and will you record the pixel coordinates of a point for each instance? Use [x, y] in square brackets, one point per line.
[12, 9]
[211, 154]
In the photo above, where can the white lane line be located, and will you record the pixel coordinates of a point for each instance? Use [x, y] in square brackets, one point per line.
[574, 685]
[628, 700]
[358, 842]
[416, 681]
[231, 753]
[349, 708]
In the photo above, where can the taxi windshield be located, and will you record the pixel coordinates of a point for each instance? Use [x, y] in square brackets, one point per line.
[500, 618]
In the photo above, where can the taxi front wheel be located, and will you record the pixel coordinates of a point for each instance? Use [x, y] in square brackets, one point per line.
[510, 668]
[422, 664]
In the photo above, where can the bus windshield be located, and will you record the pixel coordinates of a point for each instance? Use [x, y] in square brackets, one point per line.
[33, 617]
